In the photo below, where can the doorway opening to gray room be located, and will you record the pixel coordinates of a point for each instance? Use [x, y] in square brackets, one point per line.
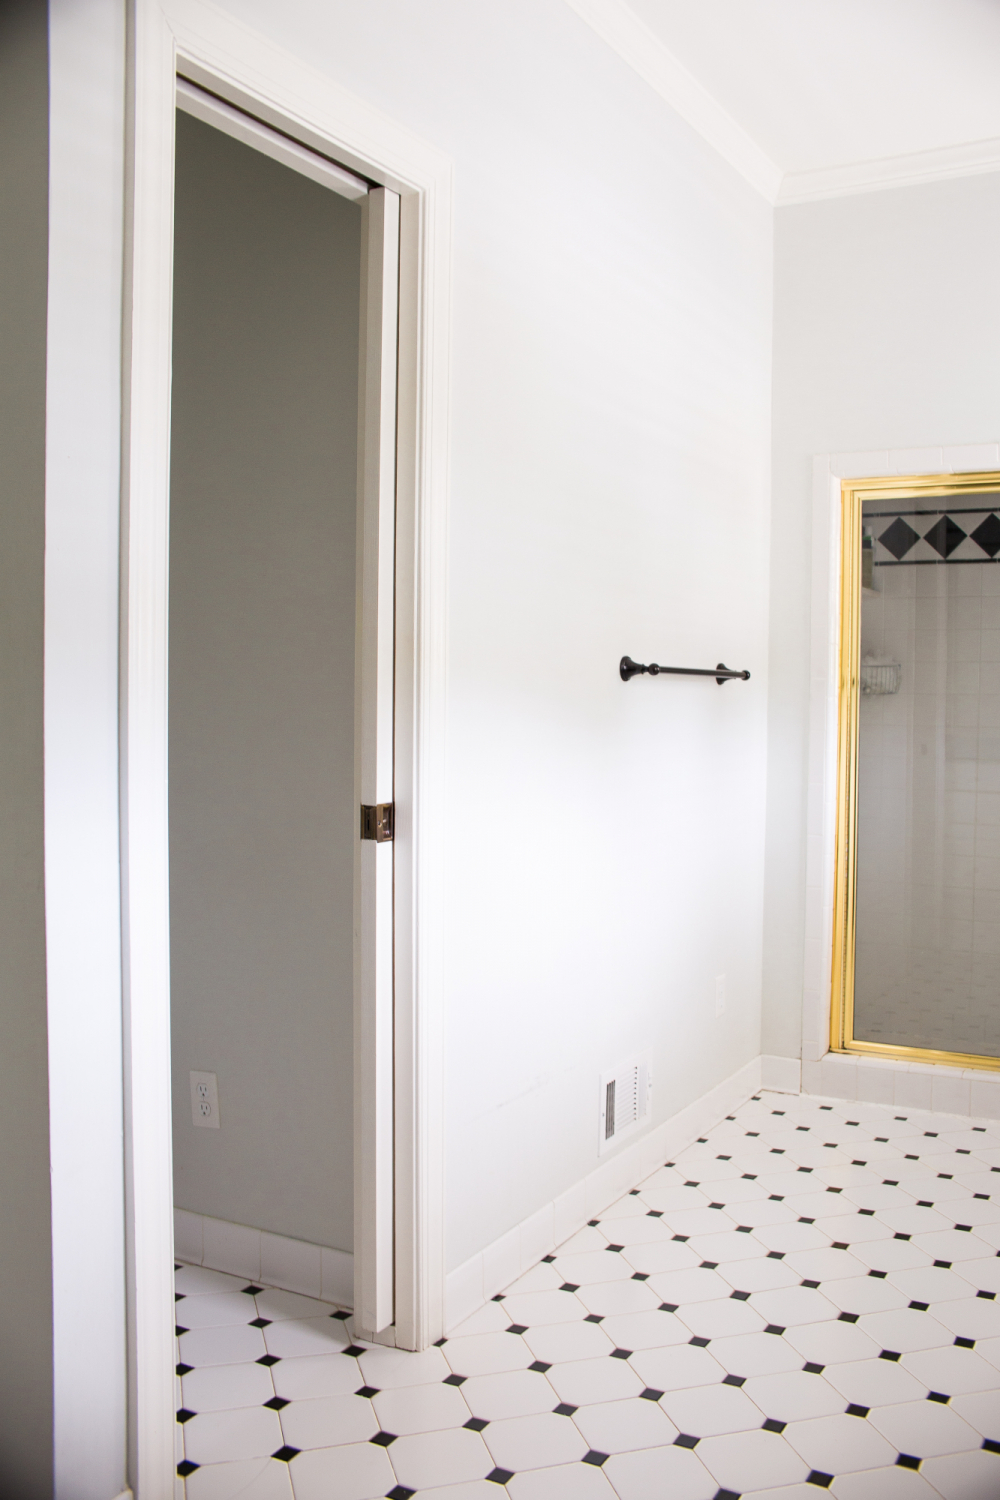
[280, 712]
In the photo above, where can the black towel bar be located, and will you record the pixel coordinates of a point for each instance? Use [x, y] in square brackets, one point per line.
[629, 668]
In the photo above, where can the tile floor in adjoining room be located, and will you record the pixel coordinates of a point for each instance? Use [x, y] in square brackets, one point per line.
[805, 1300]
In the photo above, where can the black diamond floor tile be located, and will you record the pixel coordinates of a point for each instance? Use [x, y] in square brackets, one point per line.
[500, 1476]
[286, 1453]
[595, 1457]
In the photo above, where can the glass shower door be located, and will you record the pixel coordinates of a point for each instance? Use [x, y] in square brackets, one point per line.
[918, 911]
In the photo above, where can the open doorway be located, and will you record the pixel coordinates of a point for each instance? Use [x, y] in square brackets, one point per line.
[281, 629]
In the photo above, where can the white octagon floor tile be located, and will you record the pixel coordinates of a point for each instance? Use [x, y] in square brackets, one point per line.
[541, 1278]
[722, 1318]
[536, 1442]
[649, 1228]
[516, 1393]
[624, 1426]
[794, 1396]
[678, 1368]
[440, 1458]
[964, 1476]
[595, 1266]
[566, 1341]
[293, 1337]
[388, 1368]
[237, 1344]
[692, 1285]
[637, 1346]
[726, 1248]
[419, 1408]
[874, 1382]
[953, 1371]
[709, 1410]
[969, 1317]
[278, 1305]
[490, 1318]
[650, 1260]
[314, 1375]
[224, 1436]
[756, 1354]
[825, 1264]
[981, 1410]
[247, 1479]
[474, 1489]
[645, 1330]
[354, 1471]
[225, 1387]
[329, 1420]
[611, 1298]
[832, 1343]
[904, 1331]
[840, 1444]
[865, 1294]
[984, 1275]
[925, 1429]
[932, 1284]
[793, 1305]
[567, 1482]
[882, 1484]
[585, 1381]
[674, 1472]
[746, 1461]
[483, 1354]
[196, 1281]
[536, 1309]
[217, 1310]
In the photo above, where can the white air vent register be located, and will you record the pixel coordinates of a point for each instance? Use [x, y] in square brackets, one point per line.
[625, 1100]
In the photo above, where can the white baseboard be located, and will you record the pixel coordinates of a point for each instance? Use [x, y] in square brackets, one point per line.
[259, 1255]
[886, 1080]
[471, 1285]
[783, 1075]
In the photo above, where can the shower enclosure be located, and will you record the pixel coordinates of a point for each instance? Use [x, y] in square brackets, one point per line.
[917, 914]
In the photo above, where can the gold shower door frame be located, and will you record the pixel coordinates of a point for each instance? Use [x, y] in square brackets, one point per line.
[854, 493]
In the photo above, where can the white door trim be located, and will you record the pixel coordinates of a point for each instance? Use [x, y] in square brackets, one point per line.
[222, 54]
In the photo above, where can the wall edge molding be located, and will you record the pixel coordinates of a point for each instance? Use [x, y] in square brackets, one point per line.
[471, 1285]
[881, 173]
[625, 33]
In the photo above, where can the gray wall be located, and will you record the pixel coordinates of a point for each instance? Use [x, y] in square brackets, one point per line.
[25, 1226]
[262, 604]
[886, 335]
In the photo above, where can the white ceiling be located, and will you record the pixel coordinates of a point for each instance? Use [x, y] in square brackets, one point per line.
[817, 85]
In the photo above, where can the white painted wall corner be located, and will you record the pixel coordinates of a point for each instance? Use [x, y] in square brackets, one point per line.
[272, 1259]
[489, 1271]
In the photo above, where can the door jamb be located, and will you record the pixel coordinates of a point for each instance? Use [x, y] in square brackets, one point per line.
[242, 67]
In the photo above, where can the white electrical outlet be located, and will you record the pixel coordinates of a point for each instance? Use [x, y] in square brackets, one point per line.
[720, 994]
[205, 1100]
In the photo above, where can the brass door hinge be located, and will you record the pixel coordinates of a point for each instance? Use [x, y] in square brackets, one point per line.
[376, 822]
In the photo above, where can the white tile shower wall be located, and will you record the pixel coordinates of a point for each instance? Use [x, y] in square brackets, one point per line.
[875, 1080]
[472, 1284]
[293, 1265]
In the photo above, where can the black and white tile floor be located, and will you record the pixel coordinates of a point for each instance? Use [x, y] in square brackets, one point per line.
[805, 1300]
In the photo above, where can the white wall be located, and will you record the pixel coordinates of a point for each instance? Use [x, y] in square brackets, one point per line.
[262, 602]
[610, 411]
[886, 335]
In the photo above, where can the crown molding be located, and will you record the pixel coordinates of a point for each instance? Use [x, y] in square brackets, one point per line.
[890, 171]
[632, 39]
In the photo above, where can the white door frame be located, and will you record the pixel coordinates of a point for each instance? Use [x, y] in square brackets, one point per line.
[223, 55]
